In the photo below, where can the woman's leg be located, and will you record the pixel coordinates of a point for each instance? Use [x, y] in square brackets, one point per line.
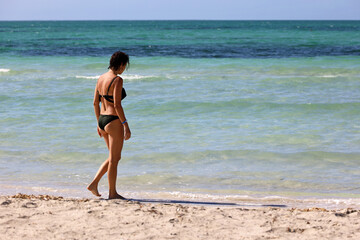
[115, 131]
[93, 186]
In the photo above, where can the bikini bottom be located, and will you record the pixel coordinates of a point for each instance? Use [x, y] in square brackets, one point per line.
[105, 120]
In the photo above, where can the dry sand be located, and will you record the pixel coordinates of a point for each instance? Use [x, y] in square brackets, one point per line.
[48, 217]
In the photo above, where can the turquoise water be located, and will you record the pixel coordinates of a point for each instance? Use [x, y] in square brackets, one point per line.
[216, 108]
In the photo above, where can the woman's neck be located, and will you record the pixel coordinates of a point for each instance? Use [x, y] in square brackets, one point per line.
[113, 72]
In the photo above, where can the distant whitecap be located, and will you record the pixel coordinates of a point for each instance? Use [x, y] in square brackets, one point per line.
[88, 77]
[127, 77]
[135, 77]
[329, 76]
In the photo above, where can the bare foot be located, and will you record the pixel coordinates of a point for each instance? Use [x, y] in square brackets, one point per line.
[94, 190]
[117, 196]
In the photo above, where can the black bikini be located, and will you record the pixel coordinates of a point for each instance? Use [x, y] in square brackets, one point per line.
[106, 119]
[110, 98]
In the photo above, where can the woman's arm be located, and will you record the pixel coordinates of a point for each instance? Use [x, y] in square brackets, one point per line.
[118, 108]
[97, 107]
[96, 103]
[118, 85]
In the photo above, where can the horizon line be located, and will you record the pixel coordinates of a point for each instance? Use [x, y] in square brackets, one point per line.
[79, 20]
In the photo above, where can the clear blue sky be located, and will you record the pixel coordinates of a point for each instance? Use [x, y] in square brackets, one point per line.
[179, 9]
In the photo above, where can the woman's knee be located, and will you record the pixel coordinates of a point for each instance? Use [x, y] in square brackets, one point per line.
[114, 159]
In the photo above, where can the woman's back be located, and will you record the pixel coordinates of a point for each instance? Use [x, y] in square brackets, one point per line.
[105, 88]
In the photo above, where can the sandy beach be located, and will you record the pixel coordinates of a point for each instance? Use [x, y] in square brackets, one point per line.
[261, 113]
[49, 217]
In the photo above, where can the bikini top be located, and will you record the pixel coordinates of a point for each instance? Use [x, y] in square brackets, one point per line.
[110, 98]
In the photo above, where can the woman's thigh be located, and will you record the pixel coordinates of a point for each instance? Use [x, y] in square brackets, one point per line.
[106, 137]
[115, 132]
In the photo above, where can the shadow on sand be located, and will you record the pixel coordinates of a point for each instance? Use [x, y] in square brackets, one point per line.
[203, 203]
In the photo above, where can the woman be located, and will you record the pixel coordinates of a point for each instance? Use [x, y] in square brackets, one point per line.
[112, 124]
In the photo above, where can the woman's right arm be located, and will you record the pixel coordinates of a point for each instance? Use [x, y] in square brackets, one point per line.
[118, 107]
[97, 107]
[96, 103]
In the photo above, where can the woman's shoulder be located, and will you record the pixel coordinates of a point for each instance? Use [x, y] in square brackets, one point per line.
[101, 77]
[105, 78]
[116, 79]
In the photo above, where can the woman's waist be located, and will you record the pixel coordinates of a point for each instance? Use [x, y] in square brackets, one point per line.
[108, 112]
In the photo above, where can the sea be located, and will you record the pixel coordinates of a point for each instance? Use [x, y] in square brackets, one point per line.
[249, 112]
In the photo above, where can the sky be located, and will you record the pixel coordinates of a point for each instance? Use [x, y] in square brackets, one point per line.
[180, 10]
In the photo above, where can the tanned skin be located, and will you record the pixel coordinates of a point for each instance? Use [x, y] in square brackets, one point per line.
[115, 132]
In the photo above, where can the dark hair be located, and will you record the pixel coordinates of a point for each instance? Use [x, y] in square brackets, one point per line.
[119, 59]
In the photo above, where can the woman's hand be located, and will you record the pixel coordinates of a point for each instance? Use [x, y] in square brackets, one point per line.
[98, 130]
[127, 133]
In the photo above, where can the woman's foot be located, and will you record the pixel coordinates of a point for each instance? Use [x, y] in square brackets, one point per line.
[117, 196]
[93, 188]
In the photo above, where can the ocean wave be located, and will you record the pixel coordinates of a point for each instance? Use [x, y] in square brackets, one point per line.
[136, 76]
[88, 77]
[4, 70]
[330, 76]
[126, 77]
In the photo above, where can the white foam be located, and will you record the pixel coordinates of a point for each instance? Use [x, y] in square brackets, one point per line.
[88, 77]
[4, 70]
[135, 76]
[126, 77]
[246, 200]
[329, 76]
[239, 200]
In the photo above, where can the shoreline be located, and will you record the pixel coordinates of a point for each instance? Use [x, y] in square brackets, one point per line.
[241, 199]
[337, 204]
[53, 217]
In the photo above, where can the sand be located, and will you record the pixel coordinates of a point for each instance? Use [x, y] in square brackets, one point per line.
[48, 217]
